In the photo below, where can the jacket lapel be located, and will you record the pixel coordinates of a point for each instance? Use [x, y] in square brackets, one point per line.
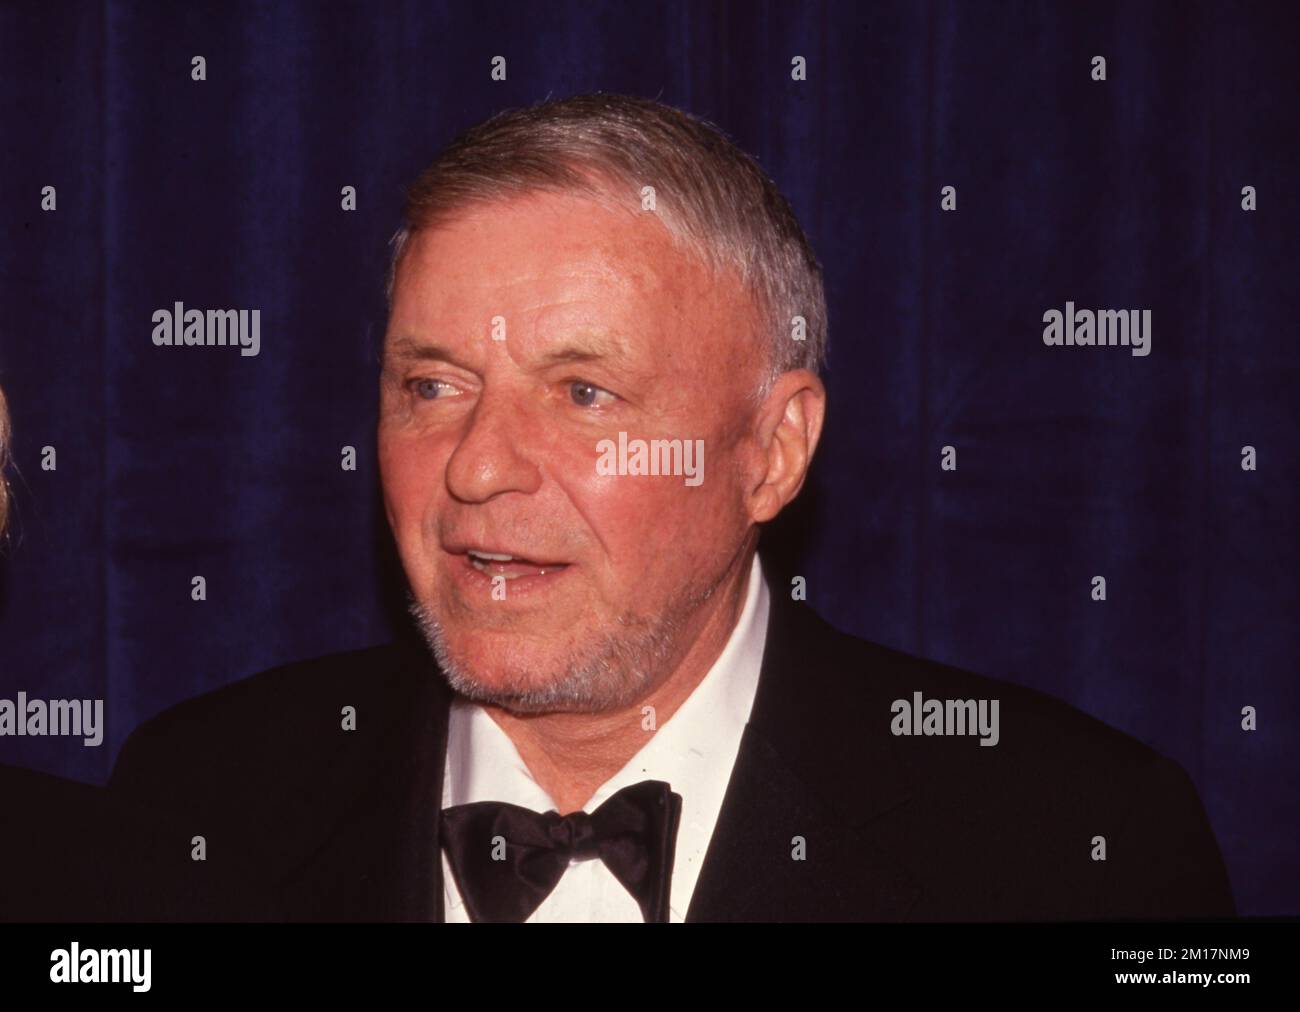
[418, 878]
[799, 777]
[383, 793]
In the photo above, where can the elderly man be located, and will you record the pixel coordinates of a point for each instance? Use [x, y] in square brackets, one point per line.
[600, 379]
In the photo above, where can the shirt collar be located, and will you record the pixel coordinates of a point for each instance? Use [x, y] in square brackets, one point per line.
[694, 751]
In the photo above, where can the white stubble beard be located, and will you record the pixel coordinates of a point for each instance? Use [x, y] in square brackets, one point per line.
[613, 672]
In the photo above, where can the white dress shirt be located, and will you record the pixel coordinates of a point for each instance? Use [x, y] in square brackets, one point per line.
[694, 751]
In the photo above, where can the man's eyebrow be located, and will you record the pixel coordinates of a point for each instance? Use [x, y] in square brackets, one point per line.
[563, 356]
[589, 348]
[421, 351]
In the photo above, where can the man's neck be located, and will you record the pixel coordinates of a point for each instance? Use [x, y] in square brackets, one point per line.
[571, 755]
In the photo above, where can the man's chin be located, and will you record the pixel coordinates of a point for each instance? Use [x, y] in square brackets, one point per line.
[491, 677]
[573, 671]
[541, 684]
[552, 698]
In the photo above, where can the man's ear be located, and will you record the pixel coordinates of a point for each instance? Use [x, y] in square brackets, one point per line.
[789, 426]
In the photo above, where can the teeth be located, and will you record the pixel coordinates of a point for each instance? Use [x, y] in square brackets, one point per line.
[482, 566]
[482, 561]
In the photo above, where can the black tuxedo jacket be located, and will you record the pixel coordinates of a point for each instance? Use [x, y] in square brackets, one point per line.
[70, 852]
[303, 820]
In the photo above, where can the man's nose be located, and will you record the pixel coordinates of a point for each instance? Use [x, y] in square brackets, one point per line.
[492, 456]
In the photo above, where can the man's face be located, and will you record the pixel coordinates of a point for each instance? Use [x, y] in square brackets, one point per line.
[489, 446]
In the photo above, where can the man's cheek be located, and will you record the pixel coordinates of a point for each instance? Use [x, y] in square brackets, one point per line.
[409, 466]
[404, 497]
[627, 499]
[658, 515]
[410, 500]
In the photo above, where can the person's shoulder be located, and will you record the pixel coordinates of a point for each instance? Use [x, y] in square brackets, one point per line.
[1018, 804]
[899, 689]
[1029, 719]
[275, 695]
[274, 721]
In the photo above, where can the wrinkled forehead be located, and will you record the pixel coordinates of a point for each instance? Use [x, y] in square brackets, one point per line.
[547, 266]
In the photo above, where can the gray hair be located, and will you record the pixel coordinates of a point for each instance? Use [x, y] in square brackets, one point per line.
[714, 199]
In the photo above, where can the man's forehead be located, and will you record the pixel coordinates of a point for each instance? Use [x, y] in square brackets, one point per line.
[563, 240]
[565, 279]
[575, 346]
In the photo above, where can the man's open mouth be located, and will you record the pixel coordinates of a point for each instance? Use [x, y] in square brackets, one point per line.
[512, 567]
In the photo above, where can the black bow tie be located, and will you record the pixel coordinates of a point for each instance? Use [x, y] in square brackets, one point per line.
[634, 833]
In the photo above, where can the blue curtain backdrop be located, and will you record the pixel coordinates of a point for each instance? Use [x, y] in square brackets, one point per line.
[1072, 462]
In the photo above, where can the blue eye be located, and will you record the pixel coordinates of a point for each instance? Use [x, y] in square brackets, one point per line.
[584, 394]
[426, 389]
